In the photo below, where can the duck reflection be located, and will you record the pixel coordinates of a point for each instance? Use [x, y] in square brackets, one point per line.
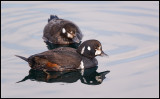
[51, 46]
[92, 77]
[87, 76]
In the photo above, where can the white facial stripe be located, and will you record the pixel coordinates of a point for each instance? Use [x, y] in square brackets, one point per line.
[98, 52]
[63, 30]
[89, 48]
[82, 50]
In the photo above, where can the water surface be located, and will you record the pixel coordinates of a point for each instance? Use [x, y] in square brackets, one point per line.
[128, 31]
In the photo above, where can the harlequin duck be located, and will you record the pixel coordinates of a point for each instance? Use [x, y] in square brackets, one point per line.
[61, 31]
[66, 58]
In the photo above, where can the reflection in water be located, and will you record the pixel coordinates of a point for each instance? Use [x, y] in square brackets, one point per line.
[88, 76]
[51, 46]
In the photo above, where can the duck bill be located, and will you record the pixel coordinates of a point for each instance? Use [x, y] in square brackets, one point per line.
[104, 54]
[75, 39]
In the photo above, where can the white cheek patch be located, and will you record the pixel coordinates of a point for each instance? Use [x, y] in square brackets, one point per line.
[82, 50]
[98, 52]
[89, 48]
[63, 30]
[69, 35]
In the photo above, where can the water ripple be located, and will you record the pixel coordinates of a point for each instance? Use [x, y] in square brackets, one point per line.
[128, 31]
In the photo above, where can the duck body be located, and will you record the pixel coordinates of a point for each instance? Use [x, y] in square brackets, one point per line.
[60, 59]
[64, 58]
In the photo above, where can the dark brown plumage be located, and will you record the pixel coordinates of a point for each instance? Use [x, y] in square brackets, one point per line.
[55, 60]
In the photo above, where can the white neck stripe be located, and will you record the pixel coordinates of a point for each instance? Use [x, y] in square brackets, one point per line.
[82, 50]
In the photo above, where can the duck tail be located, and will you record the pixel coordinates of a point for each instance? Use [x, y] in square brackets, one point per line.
[24, 79]
[52, 17]
[26, 59]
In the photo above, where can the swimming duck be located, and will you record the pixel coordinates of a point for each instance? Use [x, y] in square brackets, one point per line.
[66, 58]
[61, 31]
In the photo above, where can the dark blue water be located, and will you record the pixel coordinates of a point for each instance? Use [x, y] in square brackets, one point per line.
[128, 31]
